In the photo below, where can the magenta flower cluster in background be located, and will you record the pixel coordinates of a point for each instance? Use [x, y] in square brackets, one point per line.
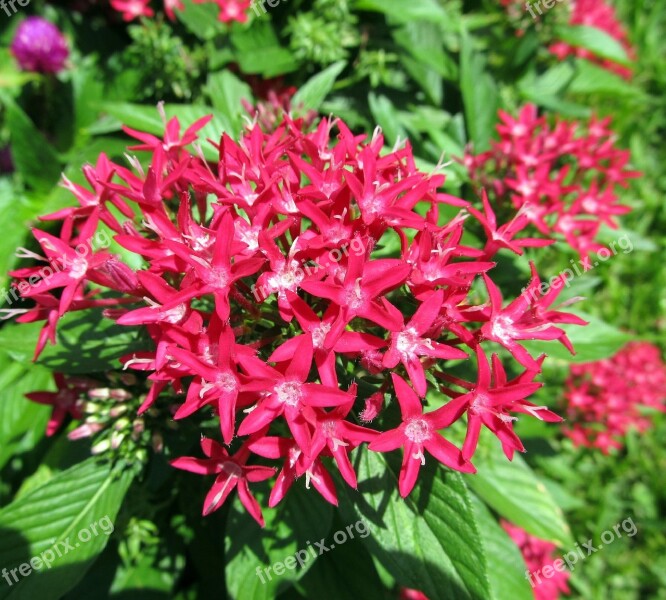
[563, 177]
[538, 554]
[604, 398]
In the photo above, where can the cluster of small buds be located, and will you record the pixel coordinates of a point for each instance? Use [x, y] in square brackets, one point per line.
[278, 350]
[229, 10]
[539, 554]
[106, 415]
[561, 178]
[604, 398]
[39, 46]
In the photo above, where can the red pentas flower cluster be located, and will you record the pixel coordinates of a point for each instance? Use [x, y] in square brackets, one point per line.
[561, 178]
[538, 554]
[282, 280]
[604, 398]
[230, 10]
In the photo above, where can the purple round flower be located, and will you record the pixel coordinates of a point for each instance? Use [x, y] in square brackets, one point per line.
[39, 46]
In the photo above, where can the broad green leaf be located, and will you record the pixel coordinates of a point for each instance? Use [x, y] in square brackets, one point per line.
[428, 541]
[506, 567]
[346, 573]
[425, 58]
[200, 18]
[86, 343]
[314, 91]
[58, 518]
[10, 75]
[514, 491]
[595, 40]
[294, 525]
[22, 423]
[226, 93]
[593, 79]
[258, 50]
[11, 202]
[595, 341]
[551, 83]
[405, 12]
[387, 117]
[480, 96]
[36, 161]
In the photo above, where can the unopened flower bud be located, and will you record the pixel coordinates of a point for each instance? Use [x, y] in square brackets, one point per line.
[101, 447]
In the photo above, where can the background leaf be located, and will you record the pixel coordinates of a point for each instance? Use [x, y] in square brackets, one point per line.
[67, 504]
[428, 541]
[514, 491]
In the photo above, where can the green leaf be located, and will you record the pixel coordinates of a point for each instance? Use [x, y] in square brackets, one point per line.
[258, 51]
[480, 96]
[200, 18]
[294, 525]
[428, 541]
[513, 490]
[405, 12]
[226, 93]
[551, 83]
[314, 91]
[22, 423]
[60, 516]
[595, 40]
[593, 79]
[347, 573]
[595, 341]
[11, 202]
[506, 567]
[387, 117]
[36, 161]
[425, 58]
[10, 75]
[86, 343]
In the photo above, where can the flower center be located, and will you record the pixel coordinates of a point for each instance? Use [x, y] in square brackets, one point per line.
[329, 428]
[79, 268]
[354, 296]
[289, 392]
[226, 382]
[288, 278]
[319, 334]
[503, 328]
[218, 277]
[407, 342]
[231, 469]
[175, 314]
[418, 430]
